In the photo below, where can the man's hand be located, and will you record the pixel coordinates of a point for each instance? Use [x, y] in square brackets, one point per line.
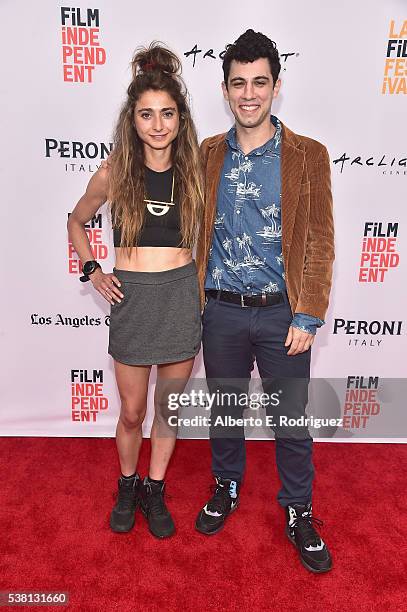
[300, 340]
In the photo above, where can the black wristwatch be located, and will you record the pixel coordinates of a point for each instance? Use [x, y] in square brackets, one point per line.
[88, 268]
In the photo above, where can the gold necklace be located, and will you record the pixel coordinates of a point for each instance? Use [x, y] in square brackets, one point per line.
[163, 207]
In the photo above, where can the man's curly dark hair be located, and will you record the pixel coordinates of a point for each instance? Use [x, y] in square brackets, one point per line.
[249, 47]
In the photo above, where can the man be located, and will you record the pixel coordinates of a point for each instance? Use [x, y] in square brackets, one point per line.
[264, 259]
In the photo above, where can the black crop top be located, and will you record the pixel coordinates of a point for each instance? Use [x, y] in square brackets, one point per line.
[161, 225]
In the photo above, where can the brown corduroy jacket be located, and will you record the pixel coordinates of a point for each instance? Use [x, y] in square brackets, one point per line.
[307, 218]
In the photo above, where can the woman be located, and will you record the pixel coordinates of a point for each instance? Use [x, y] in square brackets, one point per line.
[154, 185]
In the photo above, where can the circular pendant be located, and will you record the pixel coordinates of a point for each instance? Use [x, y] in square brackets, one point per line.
[162, 209]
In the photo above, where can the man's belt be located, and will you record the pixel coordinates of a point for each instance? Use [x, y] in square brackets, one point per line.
[263, 299]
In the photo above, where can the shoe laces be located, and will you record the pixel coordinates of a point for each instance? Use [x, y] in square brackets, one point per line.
[220, 501]
[155, 500]
[305, 526]
[126, 495]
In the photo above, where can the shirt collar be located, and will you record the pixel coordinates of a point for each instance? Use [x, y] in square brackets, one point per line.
[270, 145]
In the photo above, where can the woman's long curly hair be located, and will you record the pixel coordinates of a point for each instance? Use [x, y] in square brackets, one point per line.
[154, 68]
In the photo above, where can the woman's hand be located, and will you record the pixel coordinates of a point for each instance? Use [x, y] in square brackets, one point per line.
[107, 285]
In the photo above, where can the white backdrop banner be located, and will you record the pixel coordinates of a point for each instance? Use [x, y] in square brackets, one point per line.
[64, 74]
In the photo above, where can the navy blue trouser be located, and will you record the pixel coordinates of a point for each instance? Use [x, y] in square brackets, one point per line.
[233, 337]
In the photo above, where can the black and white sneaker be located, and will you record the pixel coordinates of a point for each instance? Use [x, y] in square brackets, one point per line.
[224, 500]
[300, 530]
[154, 509]
[123, 514]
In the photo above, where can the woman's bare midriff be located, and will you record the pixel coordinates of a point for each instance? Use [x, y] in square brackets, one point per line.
[152, 259]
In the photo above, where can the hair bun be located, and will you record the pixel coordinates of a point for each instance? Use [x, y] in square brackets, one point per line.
[155, 57]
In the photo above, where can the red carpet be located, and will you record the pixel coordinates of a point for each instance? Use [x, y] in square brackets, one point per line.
[56, 496]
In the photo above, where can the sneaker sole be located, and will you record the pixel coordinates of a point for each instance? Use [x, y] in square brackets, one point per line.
[305, 564]
[209, 533]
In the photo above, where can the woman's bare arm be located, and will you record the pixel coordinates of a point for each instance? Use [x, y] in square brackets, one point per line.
[93, 198]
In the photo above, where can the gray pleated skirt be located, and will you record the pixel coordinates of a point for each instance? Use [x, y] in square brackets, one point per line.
[159, 319]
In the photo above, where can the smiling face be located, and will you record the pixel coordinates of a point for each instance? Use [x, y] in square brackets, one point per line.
[250, 92]
[156, 119]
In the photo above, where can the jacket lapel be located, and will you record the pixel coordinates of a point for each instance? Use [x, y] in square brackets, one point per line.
[292, 168]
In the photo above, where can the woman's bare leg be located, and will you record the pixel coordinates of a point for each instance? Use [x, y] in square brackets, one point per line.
[132, 382]
[171, 378]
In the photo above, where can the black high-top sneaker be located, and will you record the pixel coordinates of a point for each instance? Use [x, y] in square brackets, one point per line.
[154, 509]
[122, 517]
[300, 530]
[224, 500]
